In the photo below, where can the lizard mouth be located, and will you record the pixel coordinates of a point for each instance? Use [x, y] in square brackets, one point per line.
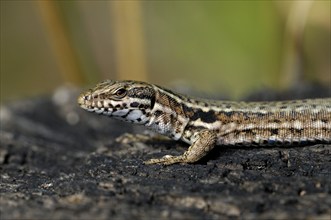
[91, 104]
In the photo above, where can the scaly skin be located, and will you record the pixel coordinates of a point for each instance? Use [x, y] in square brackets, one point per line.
[207, 123]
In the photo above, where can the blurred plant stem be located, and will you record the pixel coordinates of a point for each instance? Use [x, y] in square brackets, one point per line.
[293, 63]
[60, 42]
[129, 40]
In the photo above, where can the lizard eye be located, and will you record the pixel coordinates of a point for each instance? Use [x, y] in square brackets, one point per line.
[120, 93]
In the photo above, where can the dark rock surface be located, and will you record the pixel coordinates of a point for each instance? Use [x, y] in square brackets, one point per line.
[58, 161]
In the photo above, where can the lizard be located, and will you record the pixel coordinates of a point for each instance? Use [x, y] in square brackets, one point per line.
[204, 123]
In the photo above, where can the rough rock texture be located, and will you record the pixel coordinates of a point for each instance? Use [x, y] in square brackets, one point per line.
[58, 161]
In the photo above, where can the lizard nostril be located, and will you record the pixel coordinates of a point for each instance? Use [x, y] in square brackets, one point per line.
[81, 100]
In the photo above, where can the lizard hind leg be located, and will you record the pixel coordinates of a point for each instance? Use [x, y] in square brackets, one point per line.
[205, 140]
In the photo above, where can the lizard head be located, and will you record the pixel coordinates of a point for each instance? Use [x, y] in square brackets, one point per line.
[126, 100]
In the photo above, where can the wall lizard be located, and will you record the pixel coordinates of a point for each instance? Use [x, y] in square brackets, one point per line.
[206, 123]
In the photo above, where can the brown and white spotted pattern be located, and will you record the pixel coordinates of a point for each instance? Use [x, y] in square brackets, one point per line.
[206, 123]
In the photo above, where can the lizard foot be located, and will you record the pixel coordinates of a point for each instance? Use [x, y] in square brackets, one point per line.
[205, 141]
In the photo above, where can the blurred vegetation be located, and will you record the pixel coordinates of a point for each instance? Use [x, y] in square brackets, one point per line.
[231, 47]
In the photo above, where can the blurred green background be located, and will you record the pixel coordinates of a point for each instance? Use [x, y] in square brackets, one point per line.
[230, 47]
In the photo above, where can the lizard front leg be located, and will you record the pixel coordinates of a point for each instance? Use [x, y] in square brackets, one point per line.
[204, 141]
